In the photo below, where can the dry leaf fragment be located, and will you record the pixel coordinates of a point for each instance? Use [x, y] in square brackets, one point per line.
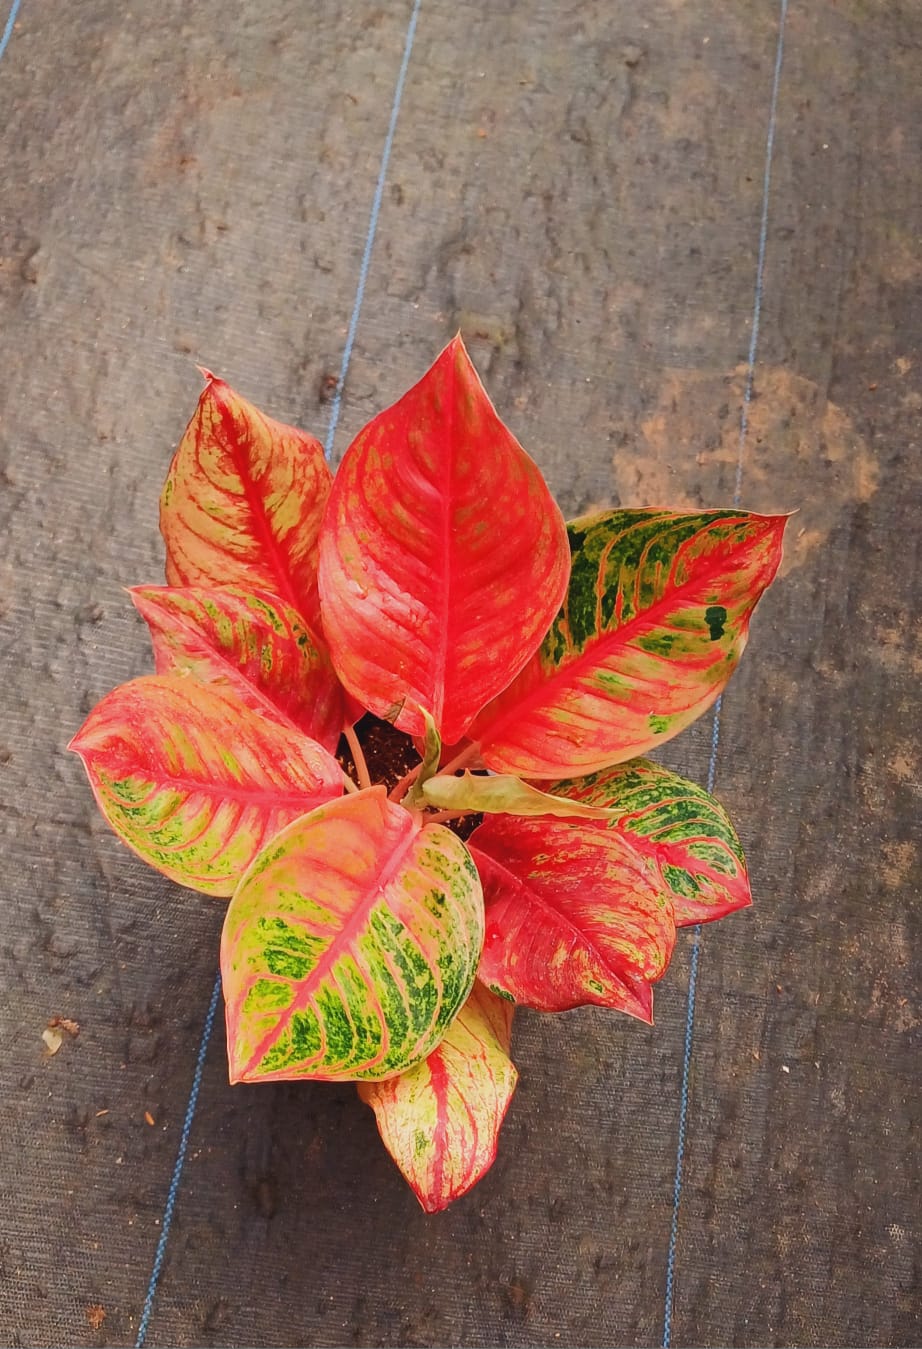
[95, 1315]
[53, 1040]
[149, 1119]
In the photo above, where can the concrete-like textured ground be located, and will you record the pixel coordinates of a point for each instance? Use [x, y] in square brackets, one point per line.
[579, 187]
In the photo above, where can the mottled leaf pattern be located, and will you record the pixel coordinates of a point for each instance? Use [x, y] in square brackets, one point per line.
[243, 502]
[678, 824]
[573, 915]
[440, 1121]
[443, 556]
[350, 945]
[194, 781]
[250, 642]
[654, 623]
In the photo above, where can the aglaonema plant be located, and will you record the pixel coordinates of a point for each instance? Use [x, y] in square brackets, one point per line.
[516, 848]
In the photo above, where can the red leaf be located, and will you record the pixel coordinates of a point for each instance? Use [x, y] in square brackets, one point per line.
[194, 782]
[443, 556]
[251, 642]
[243, 502]
[574, 915]
[655, 621]
[440, 1121]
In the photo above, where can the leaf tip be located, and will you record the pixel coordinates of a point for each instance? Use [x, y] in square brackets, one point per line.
[433, 1203]
[139, 595]
[641, 1006]
[81, 741]
[455, 353]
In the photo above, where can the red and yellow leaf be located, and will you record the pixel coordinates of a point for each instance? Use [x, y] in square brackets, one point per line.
[350, 945]
[194, 782]
[654, 623]
[243, 502]
[503, 794]
[574, 915]
[443, 556]
[251, 642]
[680, 826]
[440, 1121]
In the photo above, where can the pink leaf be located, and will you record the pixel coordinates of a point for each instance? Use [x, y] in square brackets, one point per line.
[251, 642]
[243, 502]
[443, 556]
[193, 781]
[573, 915]
[440, 1121]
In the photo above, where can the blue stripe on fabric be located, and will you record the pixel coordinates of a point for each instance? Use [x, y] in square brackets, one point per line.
[8, 30]
[671, 1262]
[372, 231]
[167, 1220]
[208, 1027]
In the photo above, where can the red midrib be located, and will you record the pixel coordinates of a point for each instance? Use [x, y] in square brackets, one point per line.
[342, 939]
[183, 625]
[439, 1080]
[262, 527]
[444, 589]
[226, 792]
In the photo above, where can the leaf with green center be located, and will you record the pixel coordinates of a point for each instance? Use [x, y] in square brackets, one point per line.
[243, 502]
[443, 555]
[251, 642]
[503, 794]
[440, 1121]
[654, 623]
[350, 944]
[681, 827]
[194, 782]
[574, 915]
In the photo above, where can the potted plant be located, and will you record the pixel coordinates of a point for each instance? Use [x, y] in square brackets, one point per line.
[398, 719]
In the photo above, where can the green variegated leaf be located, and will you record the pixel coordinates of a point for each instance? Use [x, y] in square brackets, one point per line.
[654, 623]
[440, 1121]
[681, 827]
[503, 794]
[350, 945]
[196, 783]
[251, 642]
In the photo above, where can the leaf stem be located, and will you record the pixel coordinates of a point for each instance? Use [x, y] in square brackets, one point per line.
[467, 756]
[358, 757]
[349, 784]
[441, 815]
[400, 790]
